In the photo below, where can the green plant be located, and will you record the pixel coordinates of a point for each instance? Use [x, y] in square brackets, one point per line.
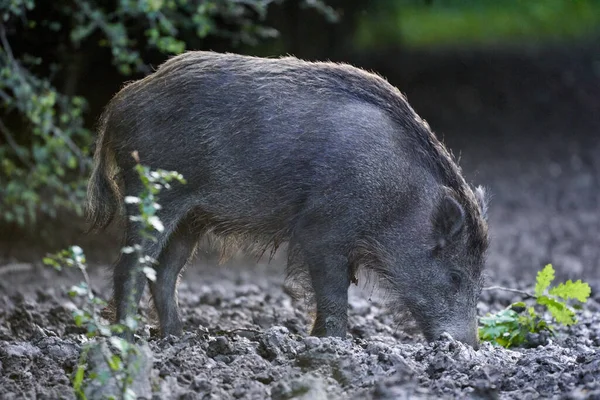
[45, 154]
[46, 165]
[121, 356]
[116, 352]
[511, 326]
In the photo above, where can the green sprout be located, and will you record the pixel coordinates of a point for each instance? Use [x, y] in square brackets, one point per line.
[119, 355]
[510, 327]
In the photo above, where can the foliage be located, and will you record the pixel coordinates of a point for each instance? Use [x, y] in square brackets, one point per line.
[115, 351]
[153, 182]
[165, 24]
[511, 326]
[477, 22]
[118, 354]
[42, 165]
[45, 156]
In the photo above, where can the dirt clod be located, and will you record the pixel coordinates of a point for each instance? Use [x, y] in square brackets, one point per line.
[279, 364]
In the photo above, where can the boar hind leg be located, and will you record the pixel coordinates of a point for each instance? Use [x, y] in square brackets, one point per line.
[175, 255]
[128, 281]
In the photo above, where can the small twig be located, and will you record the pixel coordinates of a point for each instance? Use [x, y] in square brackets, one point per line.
[106, 30]
[127, 378]
[521, 292]
[13, 144]
[7, 99]
[5, 45]
[10, 55]
[122, 386]
[12, 268]
[74, 148]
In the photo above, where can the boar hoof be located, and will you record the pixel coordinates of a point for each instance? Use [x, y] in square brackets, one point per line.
[332, 326]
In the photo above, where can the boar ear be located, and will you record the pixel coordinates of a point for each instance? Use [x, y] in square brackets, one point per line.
[482, 200]
[449, 219]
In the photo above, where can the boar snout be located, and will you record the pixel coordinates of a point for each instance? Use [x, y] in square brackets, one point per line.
[467, 336]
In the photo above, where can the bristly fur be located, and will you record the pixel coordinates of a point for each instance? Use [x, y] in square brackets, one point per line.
[327, 76]
[104, 190]
[164, 114]
[372, 88]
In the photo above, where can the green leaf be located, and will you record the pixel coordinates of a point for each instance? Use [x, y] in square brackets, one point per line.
[77, 254]
[52, 262]
[491, 332]
[80, 290]
[150, 273]
[114, 362]
[572, 290]
[544, 278]
[80, 318]
[104, 330]
[72, 162]
[132, 200]
[92, 329]
[130, 394]
[501, 328]
[119, 344]
[560, 311]
[156, 223]
[508, 328]
[131, 323]
[78, 378]
[518, 307]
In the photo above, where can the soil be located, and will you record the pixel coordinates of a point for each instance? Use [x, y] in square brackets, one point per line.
[526, 126]
[244, 339]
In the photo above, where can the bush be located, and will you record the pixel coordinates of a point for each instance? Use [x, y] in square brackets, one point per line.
[45, 156]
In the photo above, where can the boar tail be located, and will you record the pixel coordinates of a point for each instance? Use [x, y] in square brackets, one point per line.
[103, 193]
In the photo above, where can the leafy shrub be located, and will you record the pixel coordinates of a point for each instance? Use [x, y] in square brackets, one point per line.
[45, 154]
[511, 326]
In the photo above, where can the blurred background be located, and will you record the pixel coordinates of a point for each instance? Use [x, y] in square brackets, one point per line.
[512, 87]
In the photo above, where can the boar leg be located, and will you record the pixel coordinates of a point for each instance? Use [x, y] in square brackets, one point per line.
[323, 244]
[127, 281]
[330, 281]
[173, 258]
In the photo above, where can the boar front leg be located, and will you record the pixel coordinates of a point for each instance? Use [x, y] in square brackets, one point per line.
[330, 280]
[329, 270]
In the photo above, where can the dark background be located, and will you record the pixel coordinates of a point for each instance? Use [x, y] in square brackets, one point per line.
[521, 111]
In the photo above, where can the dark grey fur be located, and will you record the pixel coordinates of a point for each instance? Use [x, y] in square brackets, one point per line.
[324, 156]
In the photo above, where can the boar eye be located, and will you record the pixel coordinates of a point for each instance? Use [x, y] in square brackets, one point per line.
[456, 279]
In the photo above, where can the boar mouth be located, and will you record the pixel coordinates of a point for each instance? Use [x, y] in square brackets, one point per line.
[467, 336]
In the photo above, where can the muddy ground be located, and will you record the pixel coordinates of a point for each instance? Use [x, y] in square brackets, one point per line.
[525, 126]
[246, 340]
